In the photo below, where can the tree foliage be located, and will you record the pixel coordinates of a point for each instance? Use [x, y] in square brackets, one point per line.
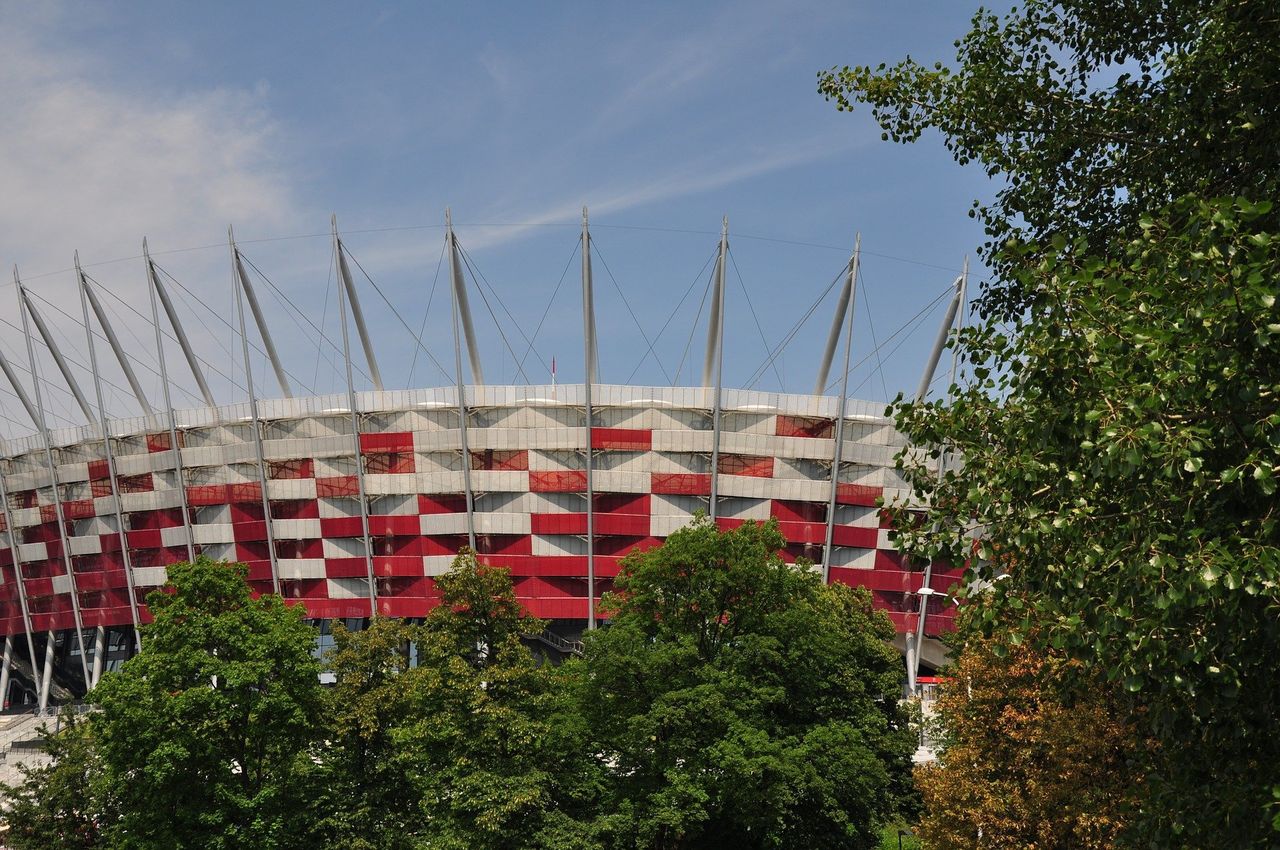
[449, 733]
[1021, 766]
[203, 736]
[772, 701]
[1092, 114]
[734, 701]
[61, 804]
[1120, 434]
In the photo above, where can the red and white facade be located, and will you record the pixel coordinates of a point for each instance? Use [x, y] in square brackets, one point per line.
[651, 468]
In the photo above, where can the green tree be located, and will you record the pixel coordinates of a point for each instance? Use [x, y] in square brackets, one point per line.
[1119, 432]
[363, 790]
[734, 701]
[204, 736]
[1091, 115]
[63, 804]
[450, 733]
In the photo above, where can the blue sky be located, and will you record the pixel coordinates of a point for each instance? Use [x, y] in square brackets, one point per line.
[170, 121]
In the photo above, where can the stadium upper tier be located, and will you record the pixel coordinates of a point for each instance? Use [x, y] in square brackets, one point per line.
[525, 467]
[350, 504]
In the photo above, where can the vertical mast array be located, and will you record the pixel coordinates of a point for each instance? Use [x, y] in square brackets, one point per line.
[714, 366]
[460, 309]
[357, 314]
[158, 289]
[239, 283]
[180, 478]
[915, 639]
[111, 464]
[926, 587]
[24, 306]
[17, 572]
[844, 315]
[258, 319]
[112, 339]
[589, 362]
[345, 284]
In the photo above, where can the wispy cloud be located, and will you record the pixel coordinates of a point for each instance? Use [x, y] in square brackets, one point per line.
[608, 199]
[92, 165]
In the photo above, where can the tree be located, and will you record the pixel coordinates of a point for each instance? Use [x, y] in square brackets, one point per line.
[61, 805]
[364, 796]
[735, 701]
[1021, 767]
[1118, 435]
[450, 734]
[204, 735]
[1092, 115]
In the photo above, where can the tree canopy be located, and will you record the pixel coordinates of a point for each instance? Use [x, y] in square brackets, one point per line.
[1091, 115]
[1119, 429]
[1021, 765]
[736, 701]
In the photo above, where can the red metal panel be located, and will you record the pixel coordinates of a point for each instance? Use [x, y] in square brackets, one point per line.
[858, 494]
[563, 481]
[505, 544]
[78, 509]
[337, 609]
[516, 460]
[558, 523]
[291, 469]
[397, 565]
[804, 532]
[446, 504]
[755, 466]
[394, 525]
[346, 567]
[804, 426]
[341, 526]
[622, 439]
[388, 463]
[336, 486]
[680, 483]
[849, 535]
[160, 442]
[392, 441]
[786, 510]
[622, 503]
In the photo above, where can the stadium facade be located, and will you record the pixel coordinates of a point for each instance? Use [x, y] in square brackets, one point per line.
[349, 504]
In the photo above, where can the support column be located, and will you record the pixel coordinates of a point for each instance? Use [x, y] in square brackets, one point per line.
[52, 344]
[258, 319]
[462, 305]
[24, 307]
[46, 679]
[17, 570]
[715, 358]
[180, 478]
[355, 415]
[158, 288]
[589, 363]
[5, 665]
[459, 291]
[112, 339]
[239, 283]
[99, 650]
[357, 315]
[847, 304]
[962, 282]
[108, 453]
[18, 389]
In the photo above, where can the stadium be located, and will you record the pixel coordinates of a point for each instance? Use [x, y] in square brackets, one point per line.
[349, 504]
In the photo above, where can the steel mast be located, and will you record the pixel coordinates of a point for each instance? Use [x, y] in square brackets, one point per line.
[847, 305]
